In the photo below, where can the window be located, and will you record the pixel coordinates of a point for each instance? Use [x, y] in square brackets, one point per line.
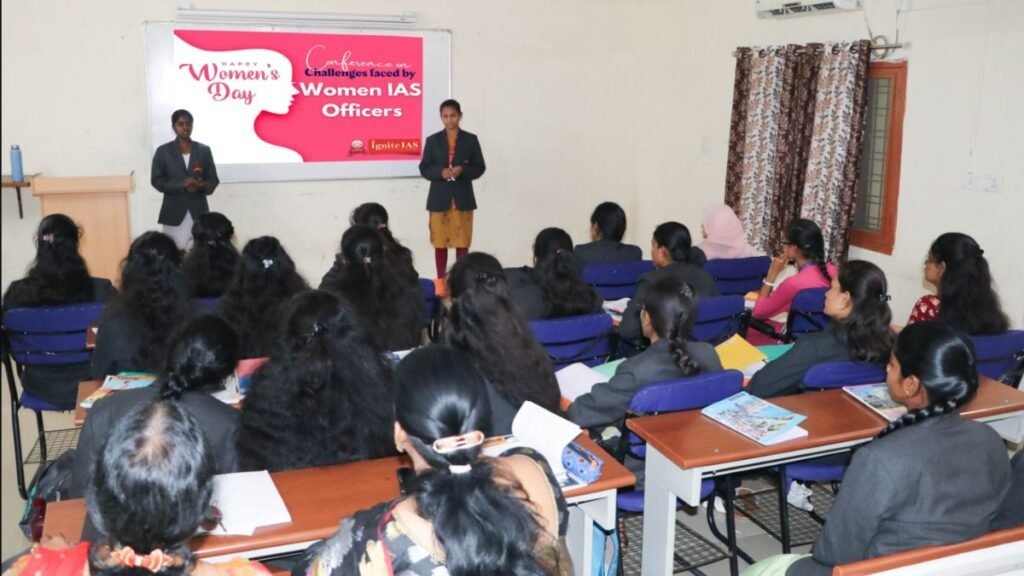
[874, 216]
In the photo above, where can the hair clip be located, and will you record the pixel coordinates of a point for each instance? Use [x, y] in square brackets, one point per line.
[884, 298]
[367, 260]
[267, 263]
[47, 238]
[318, 328]
[465, 441]
[155, 561]
[460, 468]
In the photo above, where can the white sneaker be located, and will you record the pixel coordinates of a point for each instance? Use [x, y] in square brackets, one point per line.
[719, 504]
[800, 497]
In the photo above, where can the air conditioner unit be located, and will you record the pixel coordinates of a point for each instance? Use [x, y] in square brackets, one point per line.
[786, 8]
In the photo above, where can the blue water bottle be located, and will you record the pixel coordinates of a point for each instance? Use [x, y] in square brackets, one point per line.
[17, 173]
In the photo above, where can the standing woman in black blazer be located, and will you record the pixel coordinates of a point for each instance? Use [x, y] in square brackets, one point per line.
[452, 159]
[184, 172]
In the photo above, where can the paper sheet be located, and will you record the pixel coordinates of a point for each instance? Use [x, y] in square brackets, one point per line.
[577, 379]
[247, 501]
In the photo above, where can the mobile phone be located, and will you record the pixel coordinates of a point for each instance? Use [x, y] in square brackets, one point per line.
[406, 479]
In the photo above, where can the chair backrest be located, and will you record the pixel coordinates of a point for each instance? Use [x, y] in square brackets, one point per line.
[615, 280]
[837, 374]
[999, 353]
[585, 338]
[51, 335]
[430, 300]
[806, 313]
[738, 275]
[718, 318]
[207, 304]
[680, 394]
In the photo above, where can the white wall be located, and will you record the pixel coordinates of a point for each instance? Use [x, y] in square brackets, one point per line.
[576, 101]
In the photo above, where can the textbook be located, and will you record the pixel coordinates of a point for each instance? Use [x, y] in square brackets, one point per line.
[738, 354]
[876, 397]
[115, 383]
[757, 419]
[543, 431]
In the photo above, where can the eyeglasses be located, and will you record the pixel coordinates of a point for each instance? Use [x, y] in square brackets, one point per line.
[212, 519]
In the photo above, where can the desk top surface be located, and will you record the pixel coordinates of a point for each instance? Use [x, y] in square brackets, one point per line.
[691, 439]
[317, 499]
[7, 182]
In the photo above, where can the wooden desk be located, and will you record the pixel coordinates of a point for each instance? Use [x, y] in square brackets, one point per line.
[318, 498]
[685, 447]
[6, 182]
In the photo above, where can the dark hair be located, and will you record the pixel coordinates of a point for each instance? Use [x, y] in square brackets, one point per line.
[440, 394]
[867, 330]
[151, 488]
[59, 274]
[672, 306]
[153, 297]
[610, 220]
[806, 236]
[449, 103]
[485, 323]
[200, 356]
[390, 307]
[210, 264]
[675, 237]
[263, 282]
[561, 280]
[179, 113]
[967, 299]
[943, 359]
[376, 216]
[324, 396]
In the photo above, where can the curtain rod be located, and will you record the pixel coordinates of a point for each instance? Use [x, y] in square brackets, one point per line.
[876, 47]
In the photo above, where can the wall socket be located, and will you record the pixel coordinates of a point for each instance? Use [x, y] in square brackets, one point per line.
[988, 183]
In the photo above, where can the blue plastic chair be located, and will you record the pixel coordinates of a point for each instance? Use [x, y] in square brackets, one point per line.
[616, 280]
[738, 275]
[42, 337]
[689, 393]
[806, 313]
[585, 338]
[432, 307]
[999, 354]
[718, 318]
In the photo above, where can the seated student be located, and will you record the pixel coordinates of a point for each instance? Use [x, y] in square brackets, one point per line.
[151, 491]
[376, 216]
[387, 304]
[930, 478]
[723, 235]
[136, 324]
[554, 287]
[486, 325]
[210, 263]
[324, 397]
[464, 513]
[607, 226]
[667, 321]
[675, 257]
[263, 283]
[956, 265]
[805, 247]
[858, 306]
[1011, 512]
[58, 276]
[201, 355]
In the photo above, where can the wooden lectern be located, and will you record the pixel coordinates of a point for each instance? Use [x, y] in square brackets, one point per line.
[99, 204]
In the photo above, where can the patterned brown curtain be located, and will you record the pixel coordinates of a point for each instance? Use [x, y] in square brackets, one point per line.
[775, 121]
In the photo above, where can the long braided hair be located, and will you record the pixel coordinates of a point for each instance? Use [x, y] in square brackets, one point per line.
[806, 235]
[943, 359]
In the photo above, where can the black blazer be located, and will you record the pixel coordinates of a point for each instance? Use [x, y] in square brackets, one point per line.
[702, 282]
[218, 421]
[435, 160]
[168, 177]
[607, 251]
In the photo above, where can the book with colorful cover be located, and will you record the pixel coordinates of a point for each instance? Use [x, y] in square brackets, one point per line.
[757, 419]
[116, 383]
[738, 354]
[876, 397]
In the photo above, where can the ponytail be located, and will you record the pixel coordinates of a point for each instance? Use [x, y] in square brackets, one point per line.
[807, 237]
[561, 279]
[201, 355]
[823, 268]
[866, 330]
[675, 238]
[919, 415]
[968, 298]
[671, 306]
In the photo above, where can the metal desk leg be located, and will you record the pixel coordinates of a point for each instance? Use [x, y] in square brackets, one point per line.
[730, 523]
[21, 214]
[783, 511]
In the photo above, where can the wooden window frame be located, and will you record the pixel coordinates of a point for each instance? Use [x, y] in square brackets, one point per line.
[884, 239]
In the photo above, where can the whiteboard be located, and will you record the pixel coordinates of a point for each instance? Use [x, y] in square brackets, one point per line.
[282, 103]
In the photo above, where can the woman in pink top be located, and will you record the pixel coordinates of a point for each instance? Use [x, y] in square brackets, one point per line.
[723, 234]
[805, 248]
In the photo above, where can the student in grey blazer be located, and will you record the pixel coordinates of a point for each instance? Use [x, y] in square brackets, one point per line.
[667, 320]
[673, 256]
[931, 477]
[184, 172]
[554, 287]
[607, 226]
[201, 356]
